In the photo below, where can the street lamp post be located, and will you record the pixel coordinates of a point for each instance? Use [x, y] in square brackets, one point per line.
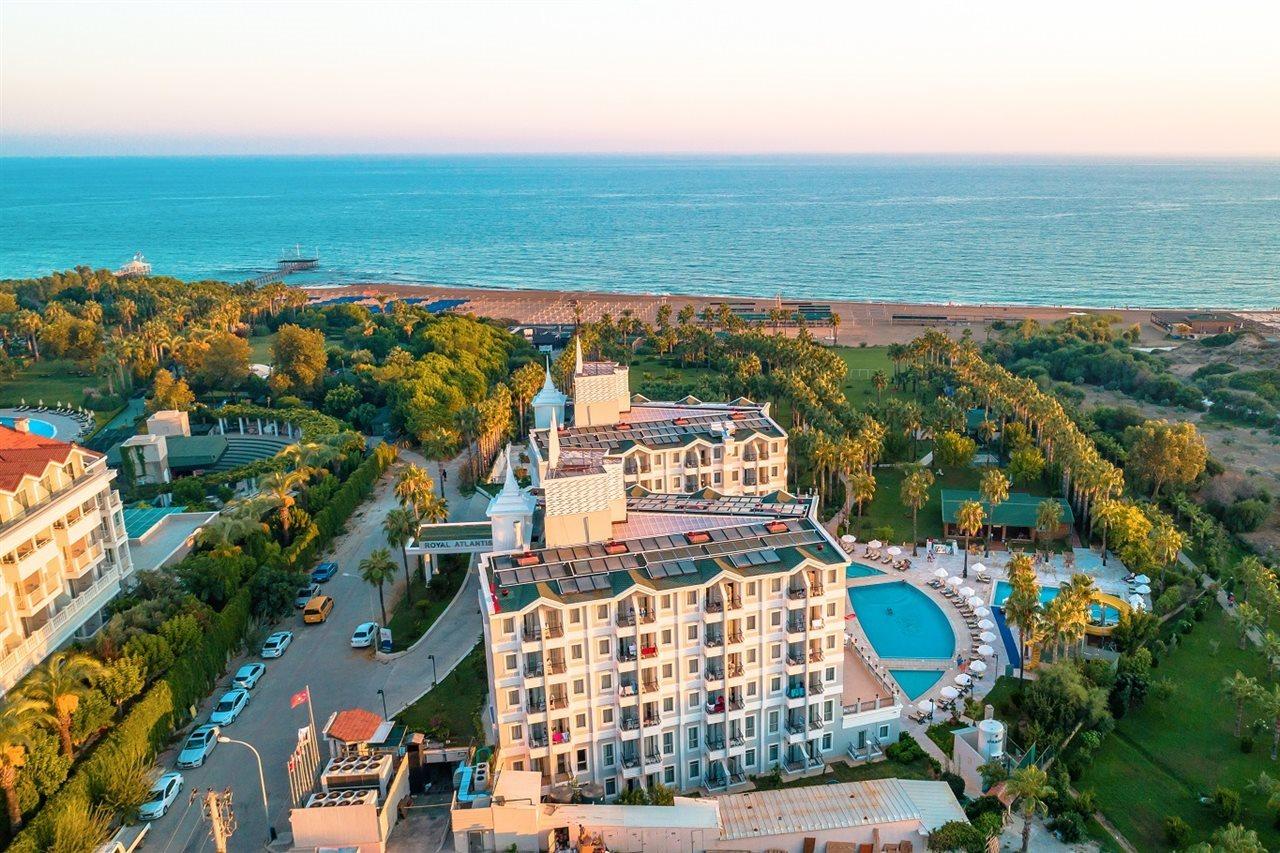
[382, 694]
[262, 781]
[434, 678]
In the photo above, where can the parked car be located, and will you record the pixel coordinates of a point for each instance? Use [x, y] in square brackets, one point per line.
[324, 572]
[305, 594]
[317, 610]
[276, 644]
[247, 676]
[161, 796]
[229, 707]
[198, 746]
[365, 636]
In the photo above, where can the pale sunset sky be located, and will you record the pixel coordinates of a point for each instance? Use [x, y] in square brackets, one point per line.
[1085, 78]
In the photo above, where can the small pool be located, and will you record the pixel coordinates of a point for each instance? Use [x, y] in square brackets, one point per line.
[916, 682]
[37, 426]
[857, 570]
[1099, 614]
[902, 622]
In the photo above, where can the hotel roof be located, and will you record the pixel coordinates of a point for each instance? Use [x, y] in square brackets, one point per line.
[1018, 511]
[23, 454]
[666, 425]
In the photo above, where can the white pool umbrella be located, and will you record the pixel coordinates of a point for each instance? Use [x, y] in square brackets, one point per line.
[967, 591]
[1142, 579]
[894, 551]
[979, 568]
[978, 666]
[940, 574]
[874, 543]
[949, 692]
[963, 680]
[1143, 590]
[954, 581]
[1137, 602]
[986, 624]
[986, 651]
[982, 612]
[925, 706]
[987, 637]
[848, 539]
[973, 601]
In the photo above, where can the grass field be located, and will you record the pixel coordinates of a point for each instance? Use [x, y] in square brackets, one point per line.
[50, 380]
[260, 348]
[862, 362]
[452, 709]
[1161, 759]
[409, 622]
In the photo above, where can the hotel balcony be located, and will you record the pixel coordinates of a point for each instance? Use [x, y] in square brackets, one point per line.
[734, 602]
[795, 626]
[735, 637]
[714, 639]
[82, 559]
[713, 675]
[652, 762]
[629, 726]
[735, 670]
[735, 701]
[631, 766]
[535, 706]
[716, 750]
[797, 593]
[556, 666]
[626, 619]
[815, 656]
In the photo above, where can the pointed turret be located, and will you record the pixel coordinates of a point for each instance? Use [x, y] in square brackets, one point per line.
[553, 444]
[511, 513]
[577, 356]
[547, 401]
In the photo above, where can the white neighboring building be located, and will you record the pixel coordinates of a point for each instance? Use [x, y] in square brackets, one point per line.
[64, 551]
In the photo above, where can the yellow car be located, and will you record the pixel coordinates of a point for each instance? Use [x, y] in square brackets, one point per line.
[317, 610]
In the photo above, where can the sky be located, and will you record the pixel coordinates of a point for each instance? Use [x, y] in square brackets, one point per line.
[1126, 78]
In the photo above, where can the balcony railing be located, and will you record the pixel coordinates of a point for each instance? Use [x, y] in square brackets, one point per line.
[795, 626]
[715, 640]
[629, 724]
[555, 631]
[735, 703]
[533, 671]
[796, 594]
[815, 655]
[735, 602]
[714, 606]
[650, 685]
[735, 637]
[555, 667]
[559, 702]
[626, 620]
[93, 470]
[536, 705]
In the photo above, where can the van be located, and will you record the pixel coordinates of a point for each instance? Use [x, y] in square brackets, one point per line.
[317, 609]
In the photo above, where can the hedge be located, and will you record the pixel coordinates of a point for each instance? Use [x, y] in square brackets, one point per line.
[327, 523]
[312, 423]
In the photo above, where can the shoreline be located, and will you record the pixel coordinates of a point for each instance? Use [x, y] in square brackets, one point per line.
[861, 321]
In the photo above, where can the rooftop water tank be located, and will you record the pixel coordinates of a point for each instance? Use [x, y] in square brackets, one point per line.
[990, 738]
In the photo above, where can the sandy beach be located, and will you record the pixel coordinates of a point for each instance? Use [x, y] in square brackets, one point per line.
[870, 323]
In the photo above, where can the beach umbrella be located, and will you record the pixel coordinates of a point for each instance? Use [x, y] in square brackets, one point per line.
[982, 612]
[874, 543]
[22, 401]
[925, 706]
[954, 581]
[1143, 590]
[978, 666]
[986, 624]
[848, 539]
[979, 568]
[963, 680]
[949, 692]
[973, 601]
[940, 574]
[966, 591]
[987, 637]
[1137, 602]
[894, 551]
[1142, 579]
[986, 651]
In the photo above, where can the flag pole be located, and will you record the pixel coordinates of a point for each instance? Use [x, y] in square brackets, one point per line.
[311, 715]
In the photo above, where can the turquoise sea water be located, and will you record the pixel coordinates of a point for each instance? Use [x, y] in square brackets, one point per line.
[1081, 232]
[902, 622]
[916, 682]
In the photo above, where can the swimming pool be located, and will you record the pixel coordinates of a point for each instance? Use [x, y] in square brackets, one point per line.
[857, 570]
[916, 682]
[1098, 613]
[37, 426]
[902, 622]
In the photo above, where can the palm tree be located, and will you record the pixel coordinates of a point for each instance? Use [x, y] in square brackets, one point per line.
[15, 739]
[1271, 652]
[54, 690]
[375, 570]
[1240, 689]
[994, 489]
[413, 487]
[914, 493]
[879, 381]
[400, 527]
[1048, 517]
[1232, 838]
[969, 518]
[278, 488]
[862, 488]
[1248, 619]
[1030, 787]
[1270, 701]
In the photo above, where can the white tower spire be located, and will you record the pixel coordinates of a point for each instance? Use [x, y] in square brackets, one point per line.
[553, 444]
[577, 361]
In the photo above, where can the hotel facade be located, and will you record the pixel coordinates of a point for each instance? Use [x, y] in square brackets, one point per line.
[643, 628]
[64, 551]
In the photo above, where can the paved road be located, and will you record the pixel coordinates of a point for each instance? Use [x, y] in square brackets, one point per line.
[339, 677]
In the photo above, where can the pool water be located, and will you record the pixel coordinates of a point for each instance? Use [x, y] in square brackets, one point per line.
[916, 682]
[1099, 614]
[902, 622]
[857, 570]
[38, 427]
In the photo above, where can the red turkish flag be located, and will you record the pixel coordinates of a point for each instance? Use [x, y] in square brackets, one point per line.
[301, 696]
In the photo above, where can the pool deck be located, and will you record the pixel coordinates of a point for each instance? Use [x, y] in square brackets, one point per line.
[68, 428]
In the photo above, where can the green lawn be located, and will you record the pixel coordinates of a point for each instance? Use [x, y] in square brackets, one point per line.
[411, 621]
[51, 380]
[452, 710]
[862, 362]
[260, 348]
[1162, 758]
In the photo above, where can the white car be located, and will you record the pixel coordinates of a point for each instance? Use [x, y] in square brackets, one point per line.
[276, 644]
[229, 707]
[365, 636]
[161, 796]
[199, 744]
[247, 676]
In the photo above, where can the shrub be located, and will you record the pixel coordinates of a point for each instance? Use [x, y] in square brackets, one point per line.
[1177, 831]
[1246, 743]
[1069, 826]
[1246, 516]
[957, 835]
[1228, 805]
[905, 751]
[956, 783]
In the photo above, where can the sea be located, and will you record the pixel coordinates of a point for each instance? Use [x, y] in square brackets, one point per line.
[1102, 233]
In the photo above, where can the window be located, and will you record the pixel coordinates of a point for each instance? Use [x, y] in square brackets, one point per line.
[668, 705]
[693, 737]
[751, 688]
[667, 672]
[826, 741]
[606, 681]
[579, 687]
[775, 685]
[828, 711]
[691, 598]
[831, 641]
[666, 602]
[608, 755]
[669, 775]
[508, 626]
[606, 717]
[751, 624]
[884, 731]
[668, 743]
[693, 701]
[517, 732]
[751, 589]
[693, 666]
[831, 576]
[775, 618]
[603, 648]
[575, 616]
[582, 761]
[750, 758]
[693, 633]
[602, 612]
[575, 651]
[831, 608]
[716, 478]
[749, 726]
[775, 651]
[773, 722]
[695, 769]
[751, 655]
[610, 787]
[775, 585]
[773, 753]
[831, 673]
[735, 475]
[666, 636]
[580, 721]
[518, 765]
[511, 663]
[513, 698]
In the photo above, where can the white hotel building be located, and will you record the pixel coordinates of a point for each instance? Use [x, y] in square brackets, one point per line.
[63, 547]
[650, 636]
